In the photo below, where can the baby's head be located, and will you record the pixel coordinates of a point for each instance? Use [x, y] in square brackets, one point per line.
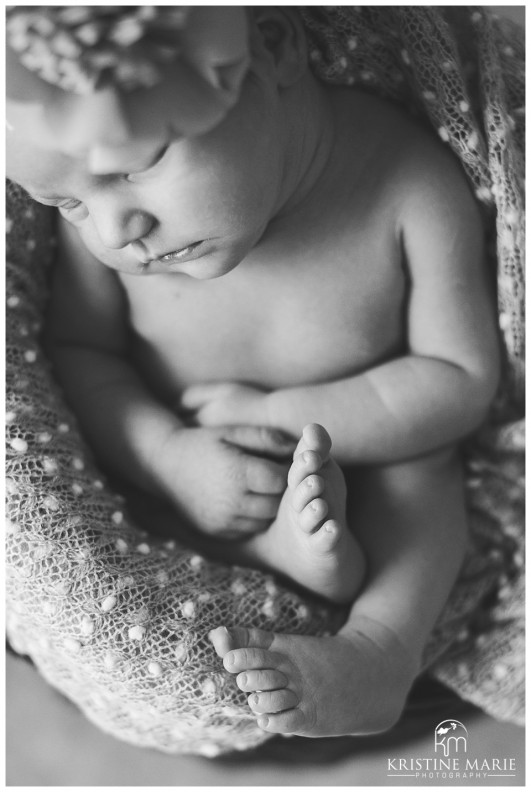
[171, 153]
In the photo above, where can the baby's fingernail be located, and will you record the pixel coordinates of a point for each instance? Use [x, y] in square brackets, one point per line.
[262, 721]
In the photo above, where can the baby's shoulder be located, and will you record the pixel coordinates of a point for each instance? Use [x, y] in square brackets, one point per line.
[393, 143]
[395, 167]
[420, 173]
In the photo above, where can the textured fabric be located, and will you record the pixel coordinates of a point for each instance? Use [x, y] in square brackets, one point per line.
[117, 619]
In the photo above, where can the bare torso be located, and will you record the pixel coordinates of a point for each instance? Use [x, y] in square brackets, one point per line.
[320, 297]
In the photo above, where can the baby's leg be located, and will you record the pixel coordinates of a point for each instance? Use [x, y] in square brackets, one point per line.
[413, 523]
[309, 541]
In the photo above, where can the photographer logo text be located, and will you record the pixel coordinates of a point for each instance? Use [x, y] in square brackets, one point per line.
[451, 759]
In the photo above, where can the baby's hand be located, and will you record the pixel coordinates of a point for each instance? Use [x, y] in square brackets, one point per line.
[227, 481]
[225, 404]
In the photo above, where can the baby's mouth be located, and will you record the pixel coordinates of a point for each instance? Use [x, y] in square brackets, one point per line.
[178, 255]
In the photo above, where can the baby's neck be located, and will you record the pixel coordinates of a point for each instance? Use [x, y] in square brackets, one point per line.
[310, 139]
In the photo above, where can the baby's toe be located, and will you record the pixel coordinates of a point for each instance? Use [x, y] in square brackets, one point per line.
[327, 537]
[303, 465]
[291, 721]
[251, 658]
[316, 438]
[273, 701]
[263, 679]
[312, 515]
[309, 489]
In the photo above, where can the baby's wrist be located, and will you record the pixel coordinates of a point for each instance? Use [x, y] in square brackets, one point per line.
[165, 456]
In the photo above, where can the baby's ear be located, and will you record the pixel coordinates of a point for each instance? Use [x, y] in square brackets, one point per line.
[283, 36]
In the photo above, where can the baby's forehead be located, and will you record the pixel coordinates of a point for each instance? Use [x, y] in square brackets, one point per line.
[38, 170]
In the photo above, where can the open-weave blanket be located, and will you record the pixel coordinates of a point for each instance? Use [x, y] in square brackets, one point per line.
[117, 619]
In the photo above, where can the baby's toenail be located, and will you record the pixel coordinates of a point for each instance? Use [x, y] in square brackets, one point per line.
[253, 699]
[262, 721]
[230, 658]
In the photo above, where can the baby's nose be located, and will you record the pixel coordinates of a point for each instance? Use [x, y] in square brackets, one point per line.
[116, 232]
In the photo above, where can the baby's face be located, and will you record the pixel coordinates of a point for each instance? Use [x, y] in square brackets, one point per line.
[196, 207]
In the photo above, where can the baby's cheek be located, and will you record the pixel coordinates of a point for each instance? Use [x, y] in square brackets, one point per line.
[116, 259]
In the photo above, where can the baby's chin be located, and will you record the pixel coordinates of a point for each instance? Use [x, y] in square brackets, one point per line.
[199, 270]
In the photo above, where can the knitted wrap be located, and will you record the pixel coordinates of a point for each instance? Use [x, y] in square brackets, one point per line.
[117, 619]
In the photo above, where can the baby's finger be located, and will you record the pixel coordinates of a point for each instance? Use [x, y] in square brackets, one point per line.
[266, 477]
[261, 440]
[260, 507]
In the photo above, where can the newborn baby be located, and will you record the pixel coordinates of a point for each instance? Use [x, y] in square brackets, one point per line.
[309, 268]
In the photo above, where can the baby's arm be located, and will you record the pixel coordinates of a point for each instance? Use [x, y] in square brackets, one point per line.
[440, 389]
[219, 478]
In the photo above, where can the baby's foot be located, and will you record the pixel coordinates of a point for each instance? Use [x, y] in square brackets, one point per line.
[309, 541]
[320, 687]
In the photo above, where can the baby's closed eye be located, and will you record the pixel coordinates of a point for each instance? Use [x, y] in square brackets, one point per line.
[66, 204]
